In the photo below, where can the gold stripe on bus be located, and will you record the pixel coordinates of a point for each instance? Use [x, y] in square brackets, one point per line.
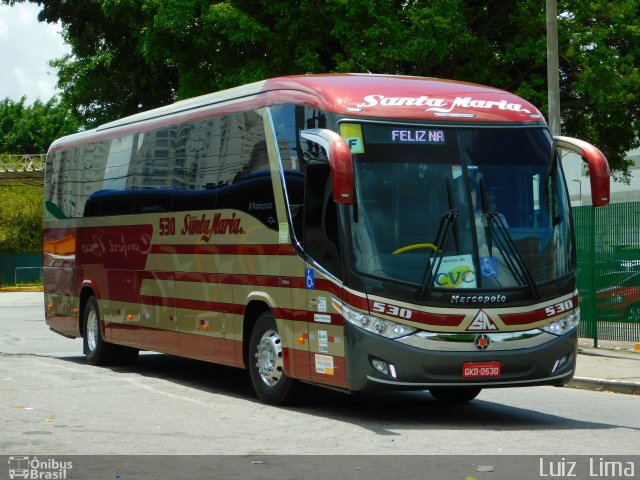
[206, 292]
[271, 265]
[275, 297]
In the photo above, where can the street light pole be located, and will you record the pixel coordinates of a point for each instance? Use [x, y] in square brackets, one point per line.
[580, 184]
[553, 68]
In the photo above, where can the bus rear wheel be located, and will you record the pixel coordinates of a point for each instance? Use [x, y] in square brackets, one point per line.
[266, 363]
[96, 349]
[454, 394]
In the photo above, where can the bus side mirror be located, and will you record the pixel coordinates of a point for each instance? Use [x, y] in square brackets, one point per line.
[599, 173]
[340, 162]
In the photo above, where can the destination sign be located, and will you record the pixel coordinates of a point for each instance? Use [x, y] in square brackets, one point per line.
[417, 136]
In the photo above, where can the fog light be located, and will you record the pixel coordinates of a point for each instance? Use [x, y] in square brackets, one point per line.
[383, 367]
[560, 362]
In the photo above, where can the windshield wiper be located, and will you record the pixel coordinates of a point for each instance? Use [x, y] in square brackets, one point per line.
[446, 223]
[514, 261]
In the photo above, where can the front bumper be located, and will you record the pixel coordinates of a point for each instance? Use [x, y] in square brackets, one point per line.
[416, 368]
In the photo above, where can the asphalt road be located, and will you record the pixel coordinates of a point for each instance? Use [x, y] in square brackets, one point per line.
[53, 403]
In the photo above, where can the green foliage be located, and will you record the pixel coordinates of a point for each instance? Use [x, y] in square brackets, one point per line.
[132, 55]
[31, 129]
[21, 219]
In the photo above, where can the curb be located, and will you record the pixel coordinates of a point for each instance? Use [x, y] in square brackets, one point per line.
[23, 289]
[602, 385]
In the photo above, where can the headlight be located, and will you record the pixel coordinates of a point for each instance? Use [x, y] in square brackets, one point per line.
[380, 326]
[564, 324]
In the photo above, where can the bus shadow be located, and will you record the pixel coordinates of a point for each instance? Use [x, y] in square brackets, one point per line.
[381, 413]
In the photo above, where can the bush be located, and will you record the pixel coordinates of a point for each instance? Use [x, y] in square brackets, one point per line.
[21, 219]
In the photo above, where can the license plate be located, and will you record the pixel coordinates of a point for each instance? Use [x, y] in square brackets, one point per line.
[481, 369]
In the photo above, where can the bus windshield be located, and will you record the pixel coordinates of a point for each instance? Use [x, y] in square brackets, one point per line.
[458, 208]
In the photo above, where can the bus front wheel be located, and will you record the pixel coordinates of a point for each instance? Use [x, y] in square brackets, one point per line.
[454, 394]
[97, 351]
[266, 363]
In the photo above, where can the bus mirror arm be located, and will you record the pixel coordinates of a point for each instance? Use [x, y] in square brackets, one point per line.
[340, 162]
[599, 174]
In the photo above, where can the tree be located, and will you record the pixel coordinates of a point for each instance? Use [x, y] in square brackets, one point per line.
[21, 219]
[31, 129]
[131, 55]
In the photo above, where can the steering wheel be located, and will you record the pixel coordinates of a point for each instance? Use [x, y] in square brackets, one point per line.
[415, 246]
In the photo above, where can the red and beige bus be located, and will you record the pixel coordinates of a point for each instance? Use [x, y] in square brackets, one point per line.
[360, 232]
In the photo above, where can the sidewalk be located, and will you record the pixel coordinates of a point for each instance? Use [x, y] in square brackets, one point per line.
[613, 367]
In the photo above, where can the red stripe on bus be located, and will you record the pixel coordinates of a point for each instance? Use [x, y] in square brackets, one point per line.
[523, 318]
[356, 301]
[338, 378]
[238, 309]
[533, 316]
[302, 364]
[437, 319]
[201, 347]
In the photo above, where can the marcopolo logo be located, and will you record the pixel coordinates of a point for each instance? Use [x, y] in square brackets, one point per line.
[37, 469]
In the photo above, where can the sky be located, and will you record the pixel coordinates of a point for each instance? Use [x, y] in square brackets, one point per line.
[26, 47]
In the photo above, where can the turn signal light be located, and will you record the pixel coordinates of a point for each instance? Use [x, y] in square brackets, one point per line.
[130, 317]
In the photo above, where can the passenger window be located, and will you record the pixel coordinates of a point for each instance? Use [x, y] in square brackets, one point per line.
[245, 172]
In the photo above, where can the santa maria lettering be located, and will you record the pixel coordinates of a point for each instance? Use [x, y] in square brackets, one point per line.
[207, 226]
[440, 105]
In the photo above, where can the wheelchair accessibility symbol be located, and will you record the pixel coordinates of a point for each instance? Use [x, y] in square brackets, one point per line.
[309, 279]
[488, 266]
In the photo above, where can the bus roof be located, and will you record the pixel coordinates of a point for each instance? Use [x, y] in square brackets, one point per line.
[356, 95]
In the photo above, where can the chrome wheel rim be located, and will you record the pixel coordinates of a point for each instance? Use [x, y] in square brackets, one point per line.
[269, 358]
[92, 330]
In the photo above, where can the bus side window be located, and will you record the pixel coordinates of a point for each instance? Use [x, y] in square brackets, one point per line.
[245, 172]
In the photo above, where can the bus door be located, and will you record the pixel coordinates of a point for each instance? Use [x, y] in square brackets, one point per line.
[322, 277]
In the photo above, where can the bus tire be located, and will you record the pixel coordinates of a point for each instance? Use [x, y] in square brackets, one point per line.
[266, 363]
[97, 351]
[454, 394]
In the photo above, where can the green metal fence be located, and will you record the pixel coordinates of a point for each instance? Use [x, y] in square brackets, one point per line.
[20, 269]
[608, 249]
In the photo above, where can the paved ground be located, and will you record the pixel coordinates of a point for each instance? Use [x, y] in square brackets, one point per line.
[189, 419]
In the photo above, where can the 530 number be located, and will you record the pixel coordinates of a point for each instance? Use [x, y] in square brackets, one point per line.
[392, 310]
[559, 308]
[167, 226]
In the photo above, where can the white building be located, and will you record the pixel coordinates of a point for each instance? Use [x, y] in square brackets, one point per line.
[577, 175]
